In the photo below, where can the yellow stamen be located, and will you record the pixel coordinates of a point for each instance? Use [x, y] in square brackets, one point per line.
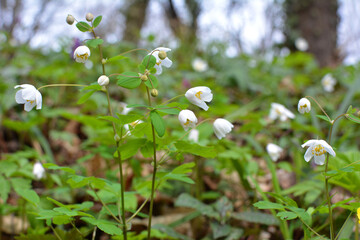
[187, 122]
[303, 106]
[31, 101]
[198, 94]
[318, 150]
[158, 63]
[83, 56]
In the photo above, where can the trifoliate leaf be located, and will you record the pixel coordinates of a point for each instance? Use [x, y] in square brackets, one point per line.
[153, 80]
[148, 61]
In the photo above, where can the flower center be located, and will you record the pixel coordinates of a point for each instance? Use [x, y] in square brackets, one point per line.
[303, 106]
[30, 101]
[198, 95]
[187, 122]
[83, 56]
[318, 150]
[277, 110]
[158, 63]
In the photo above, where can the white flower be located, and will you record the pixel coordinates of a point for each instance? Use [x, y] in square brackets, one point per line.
[38, 170]
[187, 119]
[222, 127]
[29, 96]
[317, 149]
[103, 80]
[199, 65]
[194, 135]
[274, 151]
[199, 95]
[328, 82]
[279, 111]
[81, 54]
[304, 106]
[159, 62]
[133, 125]
[301, 44]
[125, 110]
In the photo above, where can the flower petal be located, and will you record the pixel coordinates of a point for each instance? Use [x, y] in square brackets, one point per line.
[327, 147]
[28, 106]
[18, 97]
[166, 62]
[320, 160]
[38, 100]
[310, 143]
[308, 154]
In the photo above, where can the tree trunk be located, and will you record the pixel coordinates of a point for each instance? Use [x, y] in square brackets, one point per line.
[316, 21]
[135, 16]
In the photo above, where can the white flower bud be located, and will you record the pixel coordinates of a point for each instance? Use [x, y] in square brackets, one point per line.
[187, 119]
[38, 170]
[103, 80]
[222, 127]
[81, 54]
[304, 106]
[89, 17]
[274, 151]
[70, 19]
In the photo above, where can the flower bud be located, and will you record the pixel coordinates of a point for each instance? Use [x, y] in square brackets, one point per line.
[103, 80]
[89, 17]
[103, 61]
[117, 138]
[154, 92]
[144, 78]
[162, 55]
[70, 19]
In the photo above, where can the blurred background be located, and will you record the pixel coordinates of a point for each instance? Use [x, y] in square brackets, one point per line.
[249, 52]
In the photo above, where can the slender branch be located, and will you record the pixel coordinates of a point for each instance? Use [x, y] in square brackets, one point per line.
[137, 211]
[76, 229]
[56, 234]
[154, 172]
[311, 229]
[347, 219]
[172, 99]
[105, 206]
[320, 107]
[62, 85]
[94, 233]
[332, 233]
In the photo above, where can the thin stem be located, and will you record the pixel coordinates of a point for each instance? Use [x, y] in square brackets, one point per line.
[319, 107]
[133, 50]
[332, 233]
[154, 173]
[105, 206]
[311, 229]
[76, 228]
[119, 160]
[172, 99]
[63, 85]
[347, 219]
[137, 211]
[56, 234]
[94, 233]
[119, 74]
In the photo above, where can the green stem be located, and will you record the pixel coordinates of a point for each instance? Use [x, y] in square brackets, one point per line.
[154, 173]
[137, 211]
[332, 233]
[172, 99]
[277, 189]
[63, 85]
[119, 160]
[319, 107]
[56, 234]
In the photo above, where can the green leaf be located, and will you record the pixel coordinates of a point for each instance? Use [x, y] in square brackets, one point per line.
[56, 167]
[97, 21]
[116, 58]
[130, 148]
[186, 200]
[60, 220]
[28, 194]
[104, 225]
[4, 189]
[196, 149]
[220, 230]
[93, 43]
[86, 96]
[170, 231]
[154, 82]
[286, 215]
[352, 118]
[129, 80]
[168, 110]
[158, 123]
[94, 86]
[83, 26]
[137, 105]
[268, 205]
[148, 61]
[323, 117]
[129, 118]
[256, 217]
